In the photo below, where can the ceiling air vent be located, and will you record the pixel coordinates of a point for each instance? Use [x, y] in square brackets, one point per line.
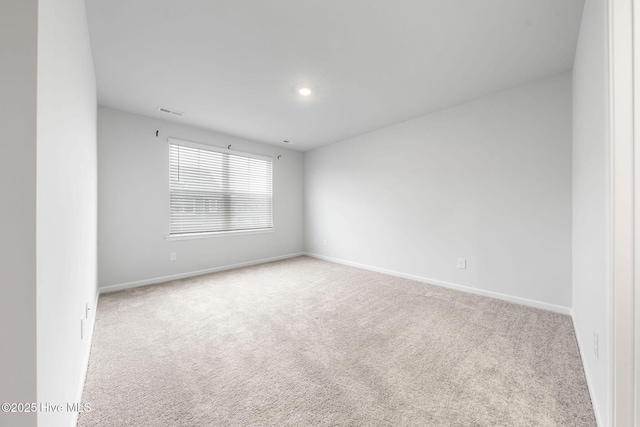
[168, 111]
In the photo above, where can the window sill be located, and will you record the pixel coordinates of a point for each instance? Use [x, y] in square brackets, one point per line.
[216, 234]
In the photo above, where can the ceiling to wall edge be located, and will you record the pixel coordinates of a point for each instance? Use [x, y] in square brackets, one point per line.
[292, 146]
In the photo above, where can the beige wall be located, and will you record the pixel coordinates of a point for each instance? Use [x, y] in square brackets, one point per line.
[134, 203]
[488, 181]
[590, 202]
[18, 44]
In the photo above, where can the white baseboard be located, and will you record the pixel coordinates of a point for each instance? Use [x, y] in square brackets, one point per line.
[586, 374]
[87, 355]
[517, 300]
[155, 280]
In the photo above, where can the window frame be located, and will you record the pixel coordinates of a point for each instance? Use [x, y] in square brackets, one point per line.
[216, 149]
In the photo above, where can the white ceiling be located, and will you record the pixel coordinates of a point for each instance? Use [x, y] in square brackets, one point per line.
[233, 65]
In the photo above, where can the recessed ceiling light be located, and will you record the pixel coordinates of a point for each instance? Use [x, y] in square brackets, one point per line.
[304, 91]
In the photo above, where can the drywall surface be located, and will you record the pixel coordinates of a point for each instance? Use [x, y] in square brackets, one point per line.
[488, 181]
[66, 204]
[591, 201]
[133, 170]
[18, 44]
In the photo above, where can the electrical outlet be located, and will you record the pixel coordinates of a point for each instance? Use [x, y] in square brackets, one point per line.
[173, 256]
[596, 349]
[462, 263]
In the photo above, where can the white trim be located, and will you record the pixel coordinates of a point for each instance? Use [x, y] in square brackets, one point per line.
[207, 147]
[87, 355]
[155, 280]
[622, 274]
[504, 297]
[636, 201]
[193, 236]
[596, 410]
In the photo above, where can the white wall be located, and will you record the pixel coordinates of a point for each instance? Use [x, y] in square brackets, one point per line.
[591, 200]
[489, 181]
[134, 203]
[66, 203]
[18, 38]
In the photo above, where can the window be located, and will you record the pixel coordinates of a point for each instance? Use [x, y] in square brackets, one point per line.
[212, 190]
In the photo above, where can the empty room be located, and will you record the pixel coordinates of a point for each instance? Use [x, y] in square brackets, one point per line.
[319, 213]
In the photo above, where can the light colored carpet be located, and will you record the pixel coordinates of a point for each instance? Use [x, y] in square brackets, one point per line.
[304, 342]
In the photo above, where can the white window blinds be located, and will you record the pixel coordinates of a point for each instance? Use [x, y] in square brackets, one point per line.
[214, 190]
